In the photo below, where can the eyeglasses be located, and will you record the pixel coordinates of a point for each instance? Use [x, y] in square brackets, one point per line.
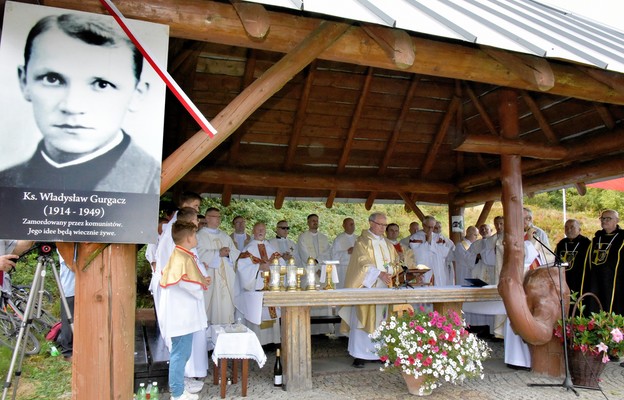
[605, 218]
[284, 227]
[375, 222]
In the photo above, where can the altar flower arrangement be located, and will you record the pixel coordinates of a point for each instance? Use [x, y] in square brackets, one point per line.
[599, 333]
[431, 346]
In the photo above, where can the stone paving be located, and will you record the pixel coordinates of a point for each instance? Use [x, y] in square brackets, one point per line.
[334, 378]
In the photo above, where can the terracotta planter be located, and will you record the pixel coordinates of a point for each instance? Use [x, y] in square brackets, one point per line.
[415, 384]
[585, 369]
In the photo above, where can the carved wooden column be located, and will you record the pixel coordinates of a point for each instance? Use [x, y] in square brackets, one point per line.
[528, 322]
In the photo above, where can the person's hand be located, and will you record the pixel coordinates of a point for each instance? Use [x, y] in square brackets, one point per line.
[350, 250]
[7, 262]
[224, 252]
[264, 266]
[385, 277]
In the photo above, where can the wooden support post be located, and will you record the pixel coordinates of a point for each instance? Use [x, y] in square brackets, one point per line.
[296, 348]
[103, 357]
[455, 211]
[487, 207]
[513, 259]
[443, 308]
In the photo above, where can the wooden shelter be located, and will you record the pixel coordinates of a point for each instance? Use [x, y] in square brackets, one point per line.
[328, 108]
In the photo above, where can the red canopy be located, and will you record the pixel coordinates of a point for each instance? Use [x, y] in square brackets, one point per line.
[613, 184]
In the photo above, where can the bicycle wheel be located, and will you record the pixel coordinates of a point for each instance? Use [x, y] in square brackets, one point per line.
[22, 291]
[41, 324]
[9, 332]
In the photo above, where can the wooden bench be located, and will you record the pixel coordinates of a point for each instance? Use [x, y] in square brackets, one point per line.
[151, 356]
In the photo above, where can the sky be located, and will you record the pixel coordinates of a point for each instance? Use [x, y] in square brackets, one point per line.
[610, 12]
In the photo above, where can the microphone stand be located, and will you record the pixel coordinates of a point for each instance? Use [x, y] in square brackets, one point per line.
[406, 281]
[567, 381]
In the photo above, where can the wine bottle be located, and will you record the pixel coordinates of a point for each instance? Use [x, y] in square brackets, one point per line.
[277, 370]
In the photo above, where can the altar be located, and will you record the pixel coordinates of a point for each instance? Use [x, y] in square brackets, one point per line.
[295, 309]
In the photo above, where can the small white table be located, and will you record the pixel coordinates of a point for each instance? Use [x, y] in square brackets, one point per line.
[234, 344]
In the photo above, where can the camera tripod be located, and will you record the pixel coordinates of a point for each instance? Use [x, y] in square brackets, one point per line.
[44, 261]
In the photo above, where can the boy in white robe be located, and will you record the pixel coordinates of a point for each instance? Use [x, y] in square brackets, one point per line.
[182, 305]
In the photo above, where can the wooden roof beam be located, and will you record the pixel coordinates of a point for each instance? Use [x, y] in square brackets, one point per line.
[539, 116]
[192, 52]
[485, 212]
[498, 145]
[602, 168]
[605, 115]
[216, 22]
[355, 121]
[280, 194]
[234, 114]
[394, 138]
[396, 43]
[293, 180]
[413, 207]
[612, 80]
[481, 109]
[432, 152]
[293, 142]
[533, 70]
[254, 18]
[577, 150]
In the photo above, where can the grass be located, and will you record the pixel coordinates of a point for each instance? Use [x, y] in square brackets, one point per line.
[43, 376]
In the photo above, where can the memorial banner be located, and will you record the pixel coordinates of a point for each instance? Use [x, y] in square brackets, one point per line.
[82, 127]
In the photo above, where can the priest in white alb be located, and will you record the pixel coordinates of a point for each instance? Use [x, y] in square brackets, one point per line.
[341, 249]
[218, 253]
[431, 249]
[255, 259]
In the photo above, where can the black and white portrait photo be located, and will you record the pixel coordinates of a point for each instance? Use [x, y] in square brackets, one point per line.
[82, 113]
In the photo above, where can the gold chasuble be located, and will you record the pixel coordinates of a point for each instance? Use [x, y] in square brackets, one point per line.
[182, 266]
[368, 253]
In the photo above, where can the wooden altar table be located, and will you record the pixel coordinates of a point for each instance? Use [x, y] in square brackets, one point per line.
[296, 343]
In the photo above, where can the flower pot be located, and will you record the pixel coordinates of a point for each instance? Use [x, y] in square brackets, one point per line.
[415, 386]
[585, 368]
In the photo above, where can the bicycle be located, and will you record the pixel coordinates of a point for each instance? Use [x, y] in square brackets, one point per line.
[11, 319]
[43, 319]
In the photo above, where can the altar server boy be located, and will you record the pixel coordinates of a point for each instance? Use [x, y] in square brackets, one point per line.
[181, 308]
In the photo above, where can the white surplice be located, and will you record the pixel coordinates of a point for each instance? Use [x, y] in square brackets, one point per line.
[220, 294]
[340, 252]
[248, 279]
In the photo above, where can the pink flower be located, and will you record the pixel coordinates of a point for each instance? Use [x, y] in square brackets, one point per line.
[616, 335]
[383, 358]
[605, 358]
[602, 347]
